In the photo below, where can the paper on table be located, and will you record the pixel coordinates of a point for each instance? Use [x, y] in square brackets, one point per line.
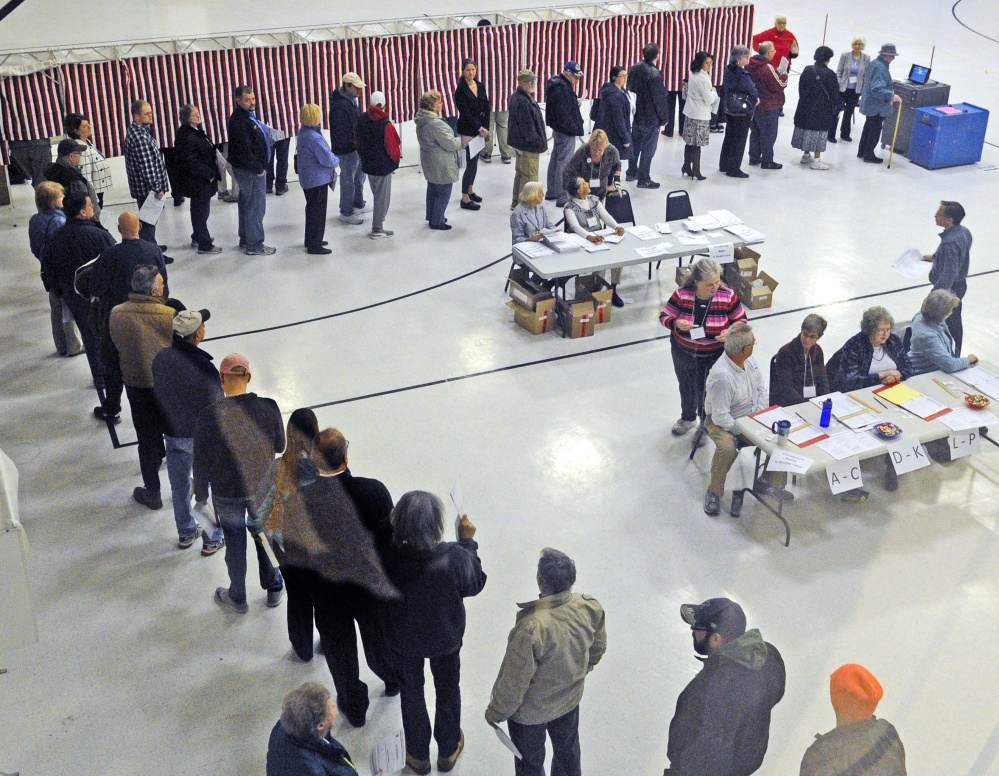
[613, 238]
[771, 415]
[747, 235]
[783, 460]
[650, 252]
[691, 225]
[389, 754]
[505, 740]
[151, 209]
[706, 221]
[980, 379]
[475, 145]
[692, 239]
[595, 247]
[459, 504]
[911, 265]
[858, 422]
[663, 228]
[642, 232]
[843, 405]
[534, 249]
[725, 218]
[899, 393]
[806, 436]
[925, 407]
[844, 445]
[723, 253]
[966, 418]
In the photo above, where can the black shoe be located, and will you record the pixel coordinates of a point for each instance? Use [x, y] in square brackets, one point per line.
[147, 498]
[847, 138]
[355, 721]
[392, 689]
[736, 174]
[629, 177]
[320, 251]
[281, 190]
[754, 164]
[649, 184]
[736, 509]
[872, 159]
[831, 139]
[616, 300]
[475, 197]
[771, 166]
[269, 191]
[442, 227]
[178, 201]
[167, 259]
[324, 242]
[469, 206]
[102, 414]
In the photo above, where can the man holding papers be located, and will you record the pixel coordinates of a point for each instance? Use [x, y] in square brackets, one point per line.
[144, 165]
[951, 262]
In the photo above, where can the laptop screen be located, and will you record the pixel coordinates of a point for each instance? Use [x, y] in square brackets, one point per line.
[919, 74]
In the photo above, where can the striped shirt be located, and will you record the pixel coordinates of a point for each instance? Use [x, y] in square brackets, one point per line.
[724, 310]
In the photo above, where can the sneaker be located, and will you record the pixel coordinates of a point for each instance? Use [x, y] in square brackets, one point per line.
[194, 243]
[485, 159]
[507, 160]
[736, 509]
[649, 184]
[771, 166]
[222, 599]
[213, 251]
[209, 548]
[421, 767]
[102, 414]
[320, 251]
[445, 764]
[263, 250]
[275, 597]
[711, 504]
[380, 234]
[186, 542]
[818, 164]
[147, 498]
[682, 426]
[806, 158]
[351, 219]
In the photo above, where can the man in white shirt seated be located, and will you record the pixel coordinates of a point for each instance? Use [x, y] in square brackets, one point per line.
[733, 390]
[584, 215]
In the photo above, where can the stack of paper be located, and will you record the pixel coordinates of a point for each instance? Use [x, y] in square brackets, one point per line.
[691, 225]
[843, 405]
[534, 249]
[966, 418]
[663, 229]
[912, 400]
[706, 221]
[725, 218]
[693, 239]
[808, 435]
[772, 415]
[590, 247]
[857, 422]
[650, 252]
[747, 235]
[642, 232]
[979, 378]
[561, 243]
[848, 444]
[911, 265]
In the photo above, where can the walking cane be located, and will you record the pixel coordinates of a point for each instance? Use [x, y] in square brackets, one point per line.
[895, 136]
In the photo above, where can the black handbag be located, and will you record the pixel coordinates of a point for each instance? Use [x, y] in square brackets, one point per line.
[738, 103]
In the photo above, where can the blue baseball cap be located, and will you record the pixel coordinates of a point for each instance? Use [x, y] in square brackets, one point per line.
[573, 67]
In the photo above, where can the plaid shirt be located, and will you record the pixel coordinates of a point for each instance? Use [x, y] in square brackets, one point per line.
[144, 163]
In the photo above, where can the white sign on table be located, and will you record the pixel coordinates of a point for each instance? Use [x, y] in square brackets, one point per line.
[907, 455]
[783, 460]
[723, 253]
[844, 475]
[663, 229]
[653, 250]
[693, 239]
[964, 443]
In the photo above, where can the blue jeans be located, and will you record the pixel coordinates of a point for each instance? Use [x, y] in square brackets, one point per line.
[180, 460]
[763, 136]
[252, 206]
[644, 141]
[351, 183]
[232, 517]
[438, 195]
[563, 147]
[80, 308]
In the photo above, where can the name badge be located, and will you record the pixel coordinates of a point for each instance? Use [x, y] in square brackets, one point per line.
[698, 333]
[596, 183]
[591, 222]
[808, 392]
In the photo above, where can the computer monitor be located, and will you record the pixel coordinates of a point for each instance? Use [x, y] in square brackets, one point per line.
[919, 74]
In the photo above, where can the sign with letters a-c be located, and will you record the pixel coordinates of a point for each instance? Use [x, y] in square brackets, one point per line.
[964, 443]
[844, 475]
[907, 455]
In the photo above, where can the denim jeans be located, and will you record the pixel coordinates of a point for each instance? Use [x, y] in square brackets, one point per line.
[180, 461]
[530, 740]
[643, 147]
[446, 670]
[251, 206]
[438, 195]
[763, 136]
[80, 308]
[351, 183]
[232, 517]
[563, 147]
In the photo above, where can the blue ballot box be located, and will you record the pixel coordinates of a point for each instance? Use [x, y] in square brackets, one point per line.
[948, 135]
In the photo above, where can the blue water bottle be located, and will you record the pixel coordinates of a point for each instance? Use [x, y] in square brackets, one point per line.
[826, 413]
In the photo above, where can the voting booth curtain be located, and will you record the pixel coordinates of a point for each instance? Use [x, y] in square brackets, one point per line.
[403, 67]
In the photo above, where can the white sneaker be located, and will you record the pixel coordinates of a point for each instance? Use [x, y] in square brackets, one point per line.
[818, 164]
[682, 426]
[380, 234]
[351, 220]
[806, 157]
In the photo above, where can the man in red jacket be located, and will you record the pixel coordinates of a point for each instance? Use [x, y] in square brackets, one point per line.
[379, 148]
[785, 44]
[770, 84]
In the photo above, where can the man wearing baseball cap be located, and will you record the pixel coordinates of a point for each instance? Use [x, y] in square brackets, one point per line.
[527, 134]
[380, 150]
[185, 382]
[722, 719]
[563, 116]
[65, 170]
[344, 113]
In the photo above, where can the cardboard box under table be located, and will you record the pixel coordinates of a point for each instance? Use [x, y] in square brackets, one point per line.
[757, 293]
[528, 290]
[576, 317]
[537, 321]
[745, 266]
[600, 291]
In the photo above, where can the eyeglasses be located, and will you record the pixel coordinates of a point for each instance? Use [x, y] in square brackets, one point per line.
[882, 331]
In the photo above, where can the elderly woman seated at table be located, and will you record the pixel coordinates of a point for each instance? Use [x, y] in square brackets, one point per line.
[598, 162]
[799, 371]
[585, 215]
[932, 346]
[529, 219]
[872, 356]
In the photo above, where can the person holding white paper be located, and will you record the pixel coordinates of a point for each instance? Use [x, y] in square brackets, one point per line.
[556, 642]
[529, 220]
[472, 101]
[799, 370]
[144, 166]
[932, 344]
[585, 215]
[951, 262]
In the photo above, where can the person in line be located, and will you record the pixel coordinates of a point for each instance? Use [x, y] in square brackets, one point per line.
[785, 44]
[527, 136]
[65, 170]
[529, 219]
[144, 165]
[799, 370]
[818, 103]
[599, 163]
[110, 285]
[698, 315]
[499, 125]
[380, 151]
[932, 344]
[556, 641]
[739, 87]
[439, 148]
[249, 153]
[277, 165]
[472, 101]
[301, 744]
[563, 116]
[80, 240]
[645, 81]
[722, 719]
[428, 621]
[613, 111]
[140, 328]
[316, 173]
[951, 262]
[344, 113]
[277, 486]
[93, 165]
[702, 101]
[877, 102]
[860, 744]
[235, 440]
[770, 85]
[42, 226]
[850, 75]
[196, 176]
[185, 382]
[872, 356]
[585, 214]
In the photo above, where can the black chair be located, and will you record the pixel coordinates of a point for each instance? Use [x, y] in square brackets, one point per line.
[773, 378]
[677, 207]
[619, 207]
[832, 369]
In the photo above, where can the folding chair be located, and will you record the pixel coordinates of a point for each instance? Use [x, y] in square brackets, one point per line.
[619, 207]
[677, 207]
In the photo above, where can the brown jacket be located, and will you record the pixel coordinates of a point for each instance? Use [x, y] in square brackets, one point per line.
[140, 328]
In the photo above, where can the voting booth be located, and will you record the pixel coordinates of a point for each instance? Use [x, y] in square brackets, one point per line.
[17, 617]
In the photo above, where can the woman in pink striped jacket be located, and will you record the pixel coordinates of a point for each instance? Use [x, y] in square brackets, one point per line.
[698, 314]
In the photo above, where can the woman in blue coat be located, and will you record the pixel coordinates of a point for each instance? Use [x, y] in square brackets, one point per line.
[872, 356]
[737, 81]
[877, 100]
[316, 167]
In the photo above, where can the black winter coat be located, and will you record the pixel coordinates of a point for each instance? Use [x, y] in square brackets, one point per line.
[473, 110]
[373, 502]
[78, 242]
[247, 144]
[646, 81]
[738, 79]
[66, 175]
[291, 756]
[184, 382]
[562, 107]
[344, 113]
[526, 126]
[195, 172]
[614, 118]
[818, 98]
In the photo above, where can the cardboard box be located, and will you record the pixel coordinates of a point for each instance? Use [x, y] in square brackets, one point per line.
[536, 321]
[745, 266]
[681, 275]
[597, 289]
[755, 298]
[527, 290]
[577, 316]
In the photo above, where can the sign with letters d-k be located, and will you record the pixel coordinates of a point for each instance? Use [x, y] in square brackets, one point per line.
[964, 443]
[844, 475]
[907, 455]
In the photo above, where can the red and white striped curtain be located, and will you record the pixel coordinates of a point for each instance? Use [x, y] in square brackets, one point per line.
[31, 106]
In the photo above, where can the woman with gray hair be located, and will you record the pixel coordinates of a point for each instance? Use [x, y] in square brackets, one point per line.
[932, 345]
[799, 369]
[873, 355]
[530, 219]
[739, 104]
[850, 75]
[698, 314]
[428, 622]
[439, 148]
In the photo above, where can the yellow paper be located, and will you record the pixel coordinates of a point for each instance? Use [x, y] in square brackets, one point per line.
[899, 393]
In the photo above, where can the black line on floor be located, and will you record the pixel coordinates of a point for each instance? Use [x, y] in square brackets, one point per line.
[953, 12]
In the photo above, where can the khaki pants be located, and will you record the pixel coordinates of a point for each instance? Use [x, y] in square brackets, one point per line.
[726, 451]
[526, 170]
[499, 122]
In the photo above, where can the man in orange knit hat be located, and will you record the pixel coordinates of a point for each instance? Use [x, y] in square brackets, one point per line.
[860, 744]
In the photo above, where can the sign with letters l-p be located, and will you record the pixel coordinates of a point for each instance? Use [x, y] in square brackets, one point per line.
[964, 443]
[844, 475]
[907, 455]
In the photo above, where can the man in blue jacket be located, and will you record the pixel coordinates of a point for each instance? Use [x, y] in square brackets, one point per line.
[563, 116]
[249, 155]
[877, 100]
[646, 81]
[344, 113]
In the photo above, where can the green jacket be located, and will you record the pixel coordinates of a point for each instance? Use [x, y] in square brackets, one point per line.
[556, 642]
